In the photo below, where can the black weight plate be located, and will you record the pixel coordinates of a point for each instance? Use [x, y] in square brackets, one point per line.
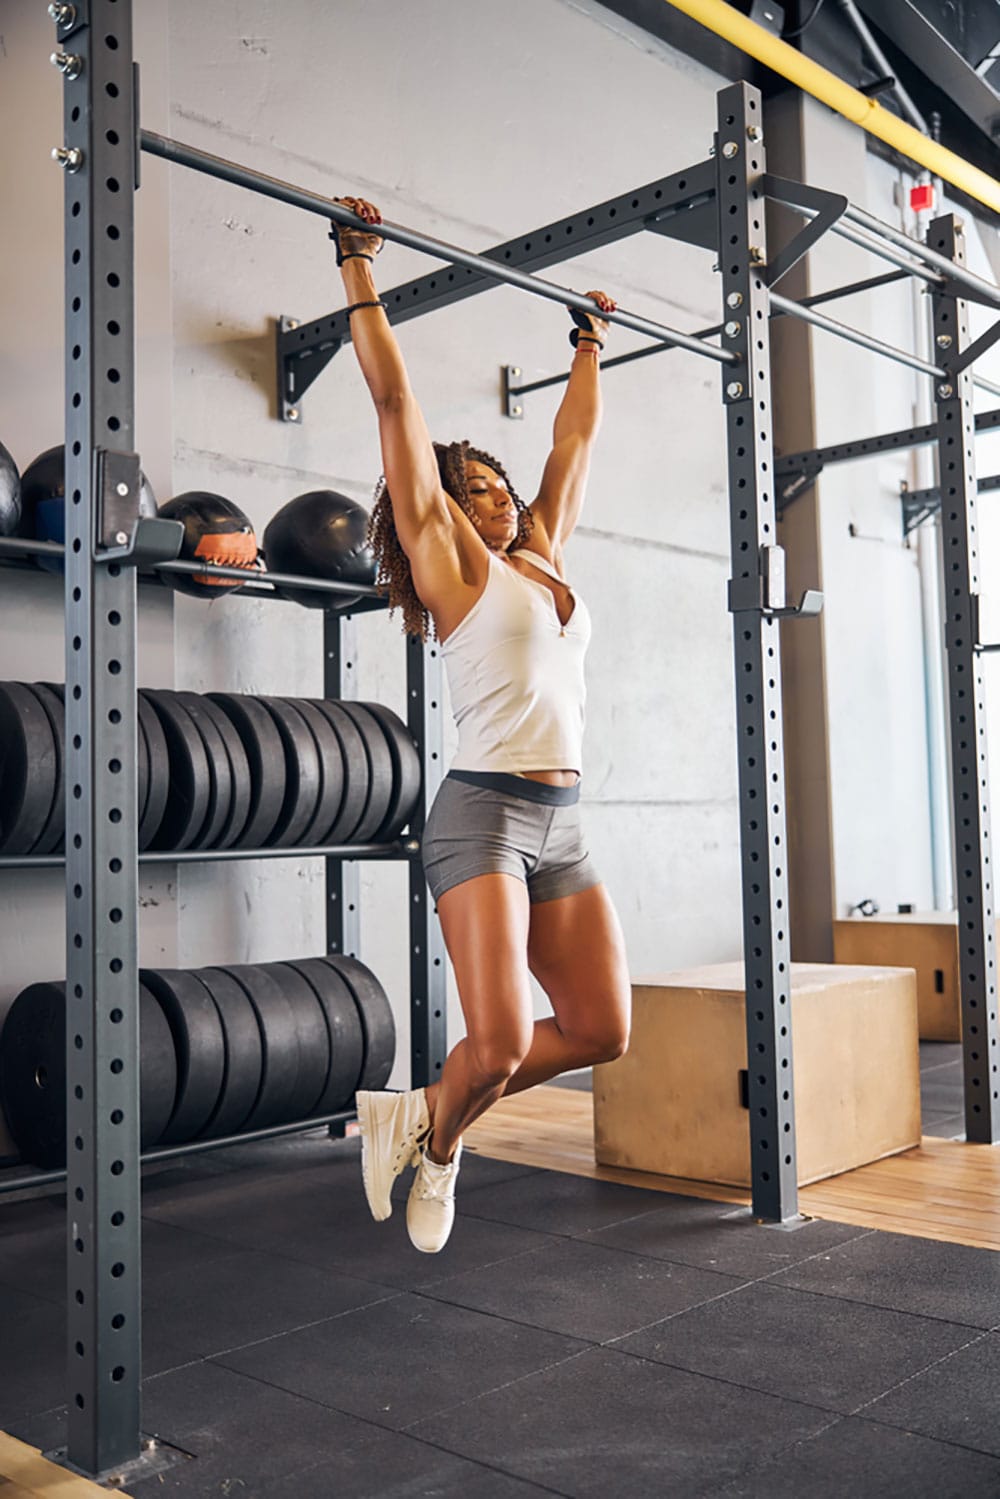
[200, 1046]
[244, 1053]
[27, 768]
[159, 772]
[157, 1071]
[266, 757]
[376, 1019]
[190, 780]
[239, 766]
[220, 773]
[142, 767]
[379, 772]
[51, 836]
[58, 689]
[331, 773]
[33, 1072]
[314, 1036]
[406, 773]
[277, 1099]
[302, 773]
[347, 1039]
[355, 763]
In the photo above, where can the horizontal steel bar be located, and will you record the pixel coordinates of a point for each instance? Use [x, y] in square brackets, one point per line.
[193, 1147]
[948, 269]
[852, 335]
[932, 495]
[398, 850]
[609, 364]
[250, 578]
[279, 580]
[286, 192]
[866, 447]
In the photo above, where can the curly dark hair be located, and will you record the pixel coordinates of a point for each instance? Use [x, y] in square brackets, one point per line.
[393, 575]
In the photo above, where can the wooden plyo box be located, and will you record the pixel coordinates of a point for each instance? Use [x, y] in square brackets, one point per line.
[926, 941]
[673, 1103]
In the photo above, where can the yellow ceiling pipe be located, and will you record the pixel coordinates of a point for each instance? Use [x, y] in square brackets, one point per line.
[813, 79]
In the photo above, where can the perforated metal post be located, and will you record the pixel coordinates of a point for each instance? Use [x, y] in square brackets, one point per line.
[428, 955]
[756, 586]
[956, 428]
[343, 876]
[102, 1072]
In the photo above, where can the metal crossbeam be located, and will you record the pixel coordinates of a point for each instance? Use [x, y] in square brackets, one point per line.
[512, 390]
[795, 472]
[305, 348]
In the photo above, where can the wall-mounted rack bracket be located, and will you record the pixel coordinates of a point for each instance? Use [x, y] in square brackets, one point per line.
[299, 366]
[513, 405]
[920, 504]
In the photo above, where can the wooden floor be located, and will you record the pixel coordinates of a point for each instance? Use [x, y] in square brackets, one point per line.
[943, 1189]
[25, 1474]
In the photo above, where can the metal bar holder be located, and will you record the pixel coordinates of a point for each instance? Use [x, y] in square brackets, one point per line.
[974, 881]
[102, 1014]
[428, 966]
[747, 394]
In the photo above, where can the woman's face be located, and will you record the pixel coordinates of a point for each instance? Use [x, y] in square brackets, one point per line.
[496, 513]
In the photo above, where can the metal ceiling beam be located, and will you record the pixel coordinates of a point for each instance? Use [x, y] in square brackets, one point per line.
[915, 35]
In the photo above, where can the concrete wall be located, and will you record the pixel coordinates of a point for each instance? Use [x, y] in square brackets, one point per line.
[471, 123]
[651, 553]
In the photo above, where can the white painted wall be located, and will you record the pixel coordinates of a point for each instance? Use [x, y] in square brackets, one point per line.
[513, 142]
[471, 122]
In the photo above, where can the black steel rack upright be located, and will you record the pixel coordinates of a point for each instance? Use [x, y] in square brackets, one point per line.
[105, 542]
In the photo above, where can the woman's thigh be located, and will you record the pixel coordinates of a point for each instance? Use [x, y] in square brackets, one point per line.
[485, 924]
[576, 950]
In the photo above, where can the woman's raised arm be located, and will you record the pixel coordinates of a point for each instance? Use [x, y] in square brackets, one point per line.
[411, 471]
[560, 495]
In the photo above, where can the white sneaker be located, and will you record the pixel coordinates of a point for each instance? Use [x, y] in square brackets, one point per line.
[393, 1127]
[430, 1207]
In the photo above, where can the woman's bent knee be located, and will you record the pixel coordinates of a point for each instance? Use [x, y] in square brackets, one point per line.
[493, 1065]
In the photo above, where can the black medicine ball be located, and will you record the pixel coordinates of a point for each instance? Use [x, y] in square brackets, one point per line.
[43, 501]
[215, 530]
[320, 535]
[10, 494]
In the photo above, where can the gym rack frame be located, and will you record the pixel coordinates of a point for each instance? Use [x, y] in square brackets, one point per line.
[106, 545]
[720, 204]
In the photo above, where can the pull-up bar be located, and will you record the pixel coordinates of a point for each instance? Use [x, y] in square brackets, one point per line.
[287, 192]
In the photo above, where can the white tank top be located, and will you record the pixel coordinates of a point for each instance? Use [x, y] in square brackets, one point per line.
[516, 675]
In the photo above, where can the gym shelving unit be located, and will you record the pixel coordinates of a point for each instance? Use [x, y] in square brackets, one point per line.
[106, 545]
[718, 203]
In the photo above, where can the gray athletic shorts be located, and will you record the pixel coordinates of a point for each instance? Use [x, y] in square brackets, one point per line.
[485, 822]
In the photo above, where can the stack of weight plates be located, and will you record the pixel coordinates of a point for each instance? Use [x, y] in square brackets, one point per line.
[222, 1051]
[222, 770]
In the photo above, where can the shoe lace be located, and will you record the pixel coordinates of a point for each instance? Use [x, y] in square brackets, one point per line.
[408, 1152]
[435, 1189]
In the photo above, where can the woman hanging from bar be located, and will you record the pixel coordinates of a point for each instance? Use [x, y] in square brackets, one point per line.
[503, 848]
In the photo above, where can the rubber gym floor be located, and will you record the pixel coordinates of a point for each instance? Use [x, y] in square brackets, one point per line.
[576, 1337]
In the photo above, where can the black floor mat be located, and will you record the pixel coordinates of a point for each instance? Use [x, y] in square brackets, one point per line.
[295, 1347]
